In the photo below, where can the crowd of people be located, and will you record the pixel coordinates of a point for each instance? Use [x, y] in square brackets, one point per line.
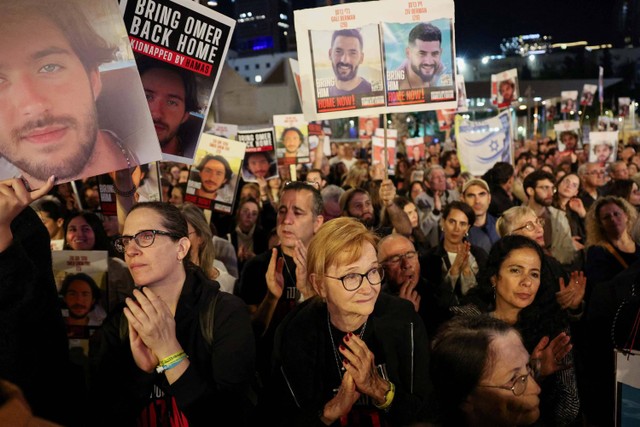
[345, 297]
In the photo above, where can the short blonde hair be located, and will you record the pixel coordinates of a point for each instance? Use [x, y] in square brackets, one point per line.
[339, 241]
[506, 223]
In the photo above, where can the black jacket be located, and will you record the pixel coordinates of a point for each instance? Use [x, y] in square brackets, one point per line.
[305, 372]
[215, 386]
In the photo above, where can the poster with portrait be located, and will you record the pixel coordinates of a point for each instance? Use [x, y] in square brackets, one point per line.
[353, 57]
[260, 155]
[623, 106]
[462, 94]
[588, 94]
[292, 139]
[213, 177]
[347, 68]
[223, 130]
[603, 147]
[367, 126]
[180, 48]
[377, 153]
[568, 135]
[551, 108]
[606, 123]
[319, 138]
[482, 143]
[445, 119]
[81, 281]
[504, 88]
[568, 101]
[419, 62]
[415, 149]
[91, 113]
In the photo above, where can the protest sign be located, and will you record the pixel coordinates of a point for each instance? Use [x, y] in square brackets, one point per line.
[260, 154]
[504, 88]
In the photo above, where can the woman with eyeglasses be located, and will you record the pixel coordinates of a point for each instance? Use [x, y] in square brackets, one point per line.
[481, 374]
[453, 265]
[352, 355]
[180, 351]
[511, 289]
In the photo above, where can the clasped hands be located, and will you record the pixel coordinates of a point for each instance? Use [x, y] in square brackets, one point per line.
[361, 377]
[152, 329]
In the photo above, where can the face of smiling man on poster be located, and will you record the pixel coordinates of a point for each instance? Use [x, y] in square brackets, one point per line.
[49, 82]
[346, 56]
[423, 66]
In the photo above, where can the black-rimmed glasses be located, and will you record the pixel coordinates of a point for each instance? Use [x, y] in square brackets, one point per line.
[396, 259]
[530, 225]
[143, 239]
[517, 387]
[352, 281]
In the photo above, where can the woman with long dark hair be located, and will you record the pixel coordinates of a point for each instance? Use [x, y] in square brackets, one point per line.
[510, 289]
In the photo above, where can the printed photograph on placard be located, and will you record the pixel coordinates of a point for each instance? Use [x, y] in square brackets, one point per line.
[588, 93]
[415, 149]
[347, 68]
[87, 110]
[445, 119]
[180, 49]
[260, 155]
[623, 106]
[504, 88]
[568, 135]
[377, 152]
[603, 147]
[606, 123]
[569, 99]
[292, 139]
[367, 126]
[419, 62]
[213, 177]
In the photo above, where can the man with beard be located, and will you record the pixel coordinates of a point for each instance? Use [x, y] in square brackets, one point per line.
[346, 55]
[451, 164]
[172, 94]
[539, 187]
[476, 194]
[356, 203]
[49, 83]
[215, 175]
[423, 66]
[80, 294]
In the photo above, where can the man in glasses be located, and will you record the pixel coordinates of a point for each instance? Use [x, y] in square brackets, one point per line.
[399, 258]
[274, 282]
[592, 178]
[540, 187]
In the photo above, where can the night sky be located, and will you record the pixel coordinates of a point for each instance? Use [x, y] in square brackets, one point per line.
[481, 25]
